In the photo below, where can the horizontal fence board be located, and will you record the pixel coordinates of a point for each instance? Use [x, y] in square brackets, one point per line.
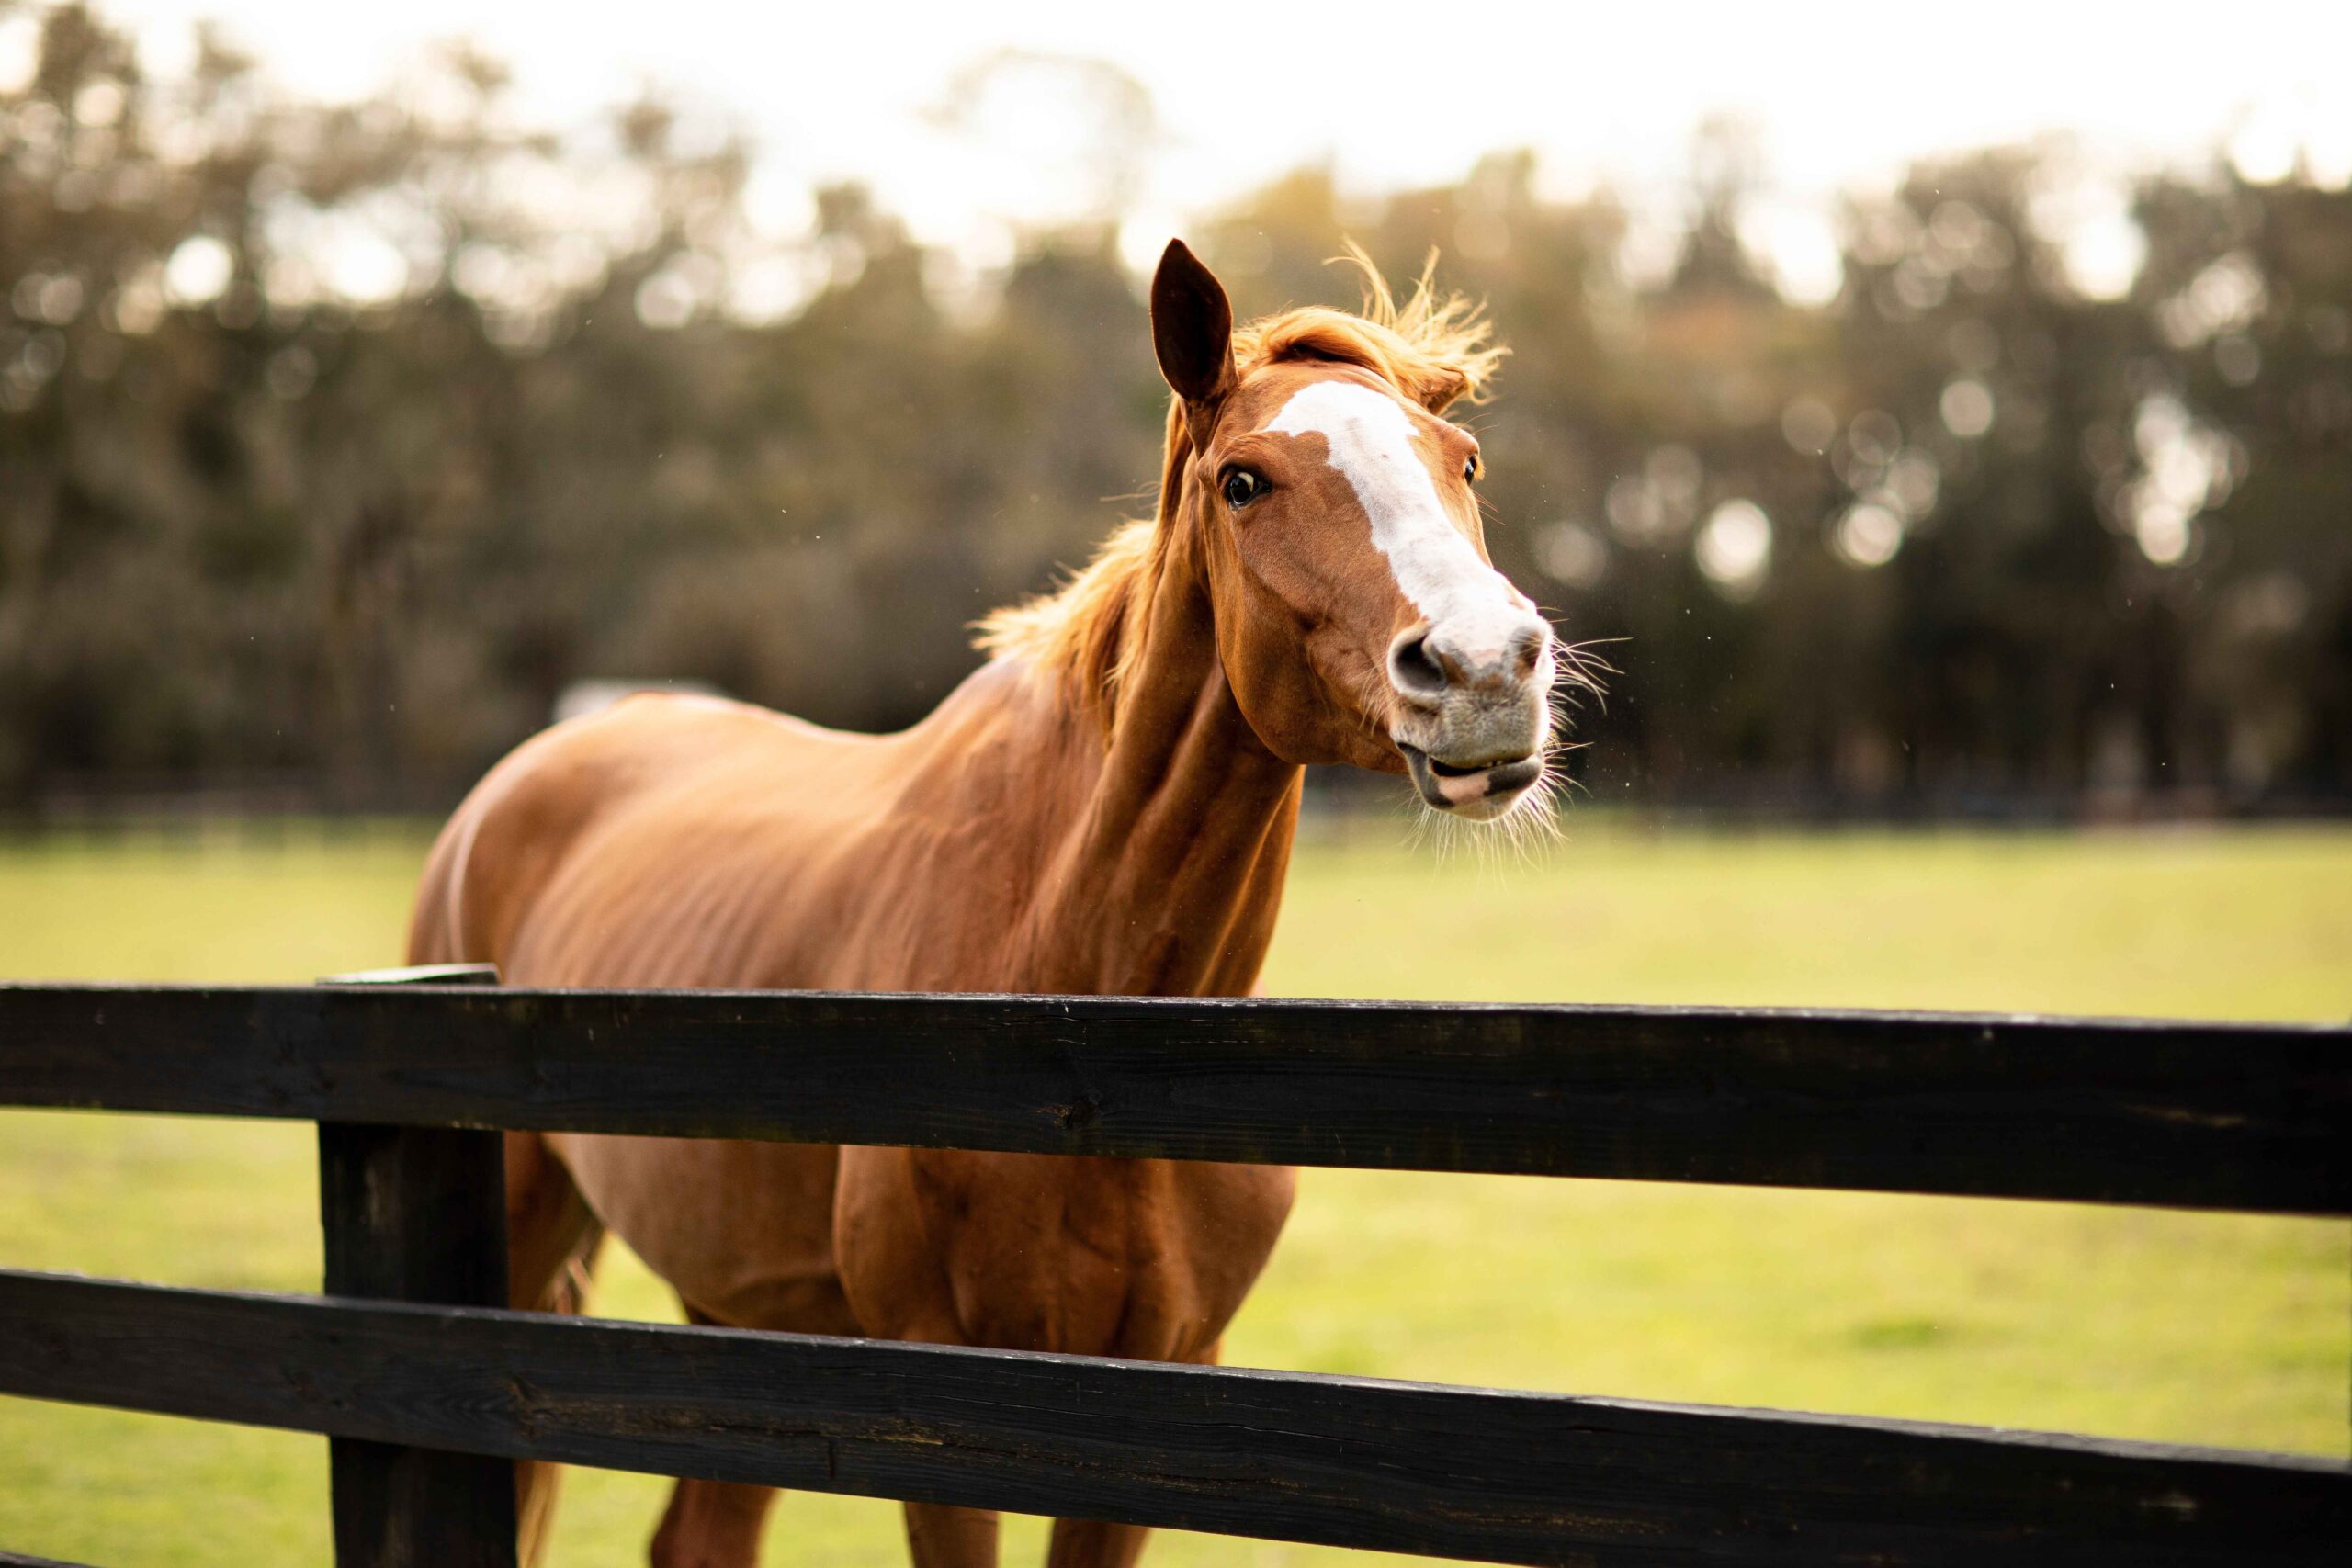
[1463, 1473]
[2196, 1115]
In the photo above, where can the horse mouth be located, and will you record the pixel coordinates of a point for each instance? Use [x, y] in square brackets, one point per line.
[1479, 791]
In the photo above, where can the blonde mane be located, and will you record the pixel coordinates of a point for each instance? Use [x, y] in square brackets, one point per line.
[1431, 348]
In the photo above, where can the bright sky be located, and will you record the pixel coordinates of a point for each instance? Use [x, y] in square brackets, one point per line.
[1391, 95]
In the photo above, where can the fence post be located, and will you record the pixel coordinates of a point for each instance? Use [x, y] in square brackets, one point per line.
[417, 1214]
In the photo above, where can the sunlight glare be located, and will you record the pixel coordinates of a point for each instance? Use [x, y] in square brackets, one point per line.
[1735, 548]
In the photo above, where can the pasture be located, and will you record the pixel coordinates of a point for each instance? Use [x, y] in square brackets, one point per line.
[2207, 1328]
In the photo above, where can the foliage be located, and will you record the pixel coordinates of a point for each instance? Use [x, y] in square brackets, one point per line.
[336, 441]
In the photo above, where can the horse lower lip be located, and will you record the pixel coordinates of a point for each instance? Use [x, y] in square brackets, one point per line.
[1499, 779]
[1513, 776]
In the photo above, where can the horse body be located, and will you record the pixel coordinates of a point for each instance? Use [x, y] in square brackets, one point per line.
[1106, 806]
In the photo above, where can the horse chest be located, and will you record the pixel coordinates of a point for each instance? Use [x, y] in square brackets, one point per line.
[743, 1231]
[1091, 1256]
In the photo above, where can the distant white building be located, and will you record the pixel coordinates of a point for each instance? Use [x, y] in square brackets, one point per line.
[583, 697]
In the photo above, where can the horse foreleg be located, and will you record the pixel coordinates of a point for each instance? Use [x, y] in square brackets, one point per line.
[712, 1524]
[1091, 1543]
[941, 1536]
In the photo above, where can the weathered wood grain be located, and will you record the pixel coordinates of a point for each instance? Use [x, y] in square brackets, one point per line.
[1461, 1472]
[415, 1215]
[2188, 1114]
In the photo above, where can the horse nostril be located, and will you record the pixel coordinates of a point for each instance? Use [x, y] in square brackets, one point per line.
[1527, 647]
[1414, 668]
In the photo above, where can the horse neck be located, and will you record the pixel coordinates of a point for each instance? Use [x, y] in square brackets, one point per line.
[1169, 882]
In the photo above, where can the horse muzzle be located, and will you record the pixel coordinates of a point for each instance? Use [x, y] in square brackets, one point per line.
[1472, 722]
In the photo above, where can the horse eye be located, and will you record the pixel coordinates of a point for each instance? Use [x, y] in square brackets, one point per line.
[1241, 488]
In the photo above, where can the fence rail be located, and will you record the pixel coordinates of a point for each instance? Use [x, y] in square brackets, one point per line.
[426, 1391]
[1506, 1477]
[2227, 1116]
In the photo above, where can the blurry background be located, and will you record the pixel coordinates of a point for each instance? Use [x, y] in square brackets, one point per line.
[1942, 417]
[358, 394]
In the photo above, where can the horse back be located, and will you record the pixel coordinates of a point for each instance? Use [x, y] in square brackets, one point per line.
[566, 855]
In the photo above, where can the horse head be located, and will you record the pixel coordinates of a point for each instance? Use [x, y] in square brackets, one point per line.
[1331, 503]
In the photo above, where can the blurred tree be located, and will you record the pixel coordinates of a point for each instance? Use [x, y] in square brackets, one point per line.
[336, 441]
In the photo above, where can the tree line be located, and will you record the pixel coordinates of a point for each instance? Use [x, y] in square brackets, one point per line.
[337, 441]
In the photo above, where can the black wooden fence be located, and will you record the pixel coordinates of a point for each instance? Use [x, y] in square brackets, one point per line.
[426, 1386]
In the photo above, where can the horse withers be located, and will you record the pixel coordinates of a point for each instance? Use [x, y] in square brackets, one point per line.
[1106, 806]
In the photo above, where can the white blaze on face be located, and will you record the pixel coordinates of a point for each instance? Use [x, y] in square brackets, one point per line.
[1370, 438]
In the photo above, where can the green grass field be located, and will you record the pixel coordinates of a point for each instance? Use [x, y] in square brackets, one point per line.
[2221, 1330]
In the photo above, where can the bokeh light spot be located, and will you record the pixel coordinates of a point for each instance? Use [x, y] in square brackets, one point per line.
[1867, 534]
[199, 269]
[1808, 425]
[1572, 554]
[1967, 408]
[1735, 548]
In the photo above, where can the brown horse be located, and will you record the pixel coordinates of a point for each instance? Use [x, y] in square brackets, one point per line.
[1106, 806]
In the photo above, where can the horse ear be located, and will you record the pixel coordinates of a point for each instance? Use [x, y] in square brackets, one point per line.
[1191, 327]
[1441, 389]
